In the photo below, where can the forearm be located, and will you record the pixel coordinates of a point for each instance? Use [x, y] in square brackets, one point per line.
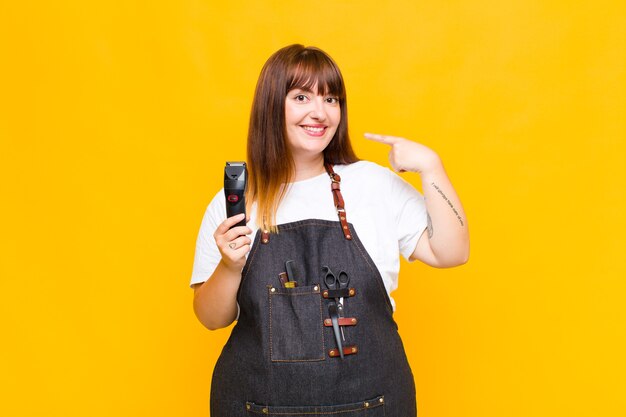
[215, 300]
[447, 230]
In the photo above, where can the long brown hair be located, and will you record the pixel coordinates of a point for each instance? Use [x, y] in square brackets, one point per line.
[270, 164]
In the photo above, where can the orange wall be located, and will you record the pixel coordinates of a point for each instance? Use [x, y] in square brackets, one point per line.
[116, 118]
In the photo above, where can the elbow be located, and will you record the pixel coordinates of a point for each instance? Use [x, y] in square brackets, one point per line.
[212, 326]
[209, 319]
[451, 263]
[203, 317]
[462, 260]
[199, 309]
[461, 254]
[451, 260]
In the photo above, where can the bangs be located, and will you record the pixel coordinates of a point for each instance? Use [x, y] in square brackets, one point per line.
[313, 69]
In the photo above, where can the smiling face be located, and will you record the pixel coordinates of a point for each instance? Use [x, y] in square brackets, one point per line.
[311, 121]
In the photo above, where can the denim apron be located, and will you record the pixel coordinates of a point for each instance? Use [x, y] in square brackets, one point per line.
[282, 356]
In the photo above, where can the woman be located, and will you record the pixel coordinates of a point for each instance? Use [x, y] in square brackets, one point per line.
[322, 339]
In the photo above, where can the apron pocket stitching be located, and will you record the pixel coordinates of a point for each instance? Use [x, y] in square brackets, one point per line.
[377, 402]
[295, 332]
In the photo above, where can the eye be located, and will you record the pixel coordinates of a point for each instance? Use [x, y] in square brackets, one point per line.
[332, 100]
[300, 98]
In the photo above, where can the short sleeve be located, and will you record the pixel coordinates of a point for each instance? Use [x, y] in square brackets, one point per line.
[410, 212]
[207, 255]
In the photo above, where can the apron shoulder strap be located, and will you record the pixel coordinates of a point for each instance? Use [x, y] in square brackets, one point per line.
[335, 186]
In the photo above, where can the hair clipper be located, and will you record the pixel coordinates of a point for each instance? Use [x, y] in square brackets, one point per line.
[235, 181]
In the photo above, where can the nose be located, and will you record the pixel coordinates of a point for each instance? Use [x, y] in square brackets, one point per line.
[318, 111]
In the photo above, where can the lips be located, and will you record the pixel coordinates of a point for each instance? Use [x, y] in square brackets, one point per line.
[314, 130]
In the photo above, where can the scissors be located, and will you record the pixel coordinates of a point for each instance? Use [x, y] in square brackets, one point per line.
[336, 282]
[333, 282]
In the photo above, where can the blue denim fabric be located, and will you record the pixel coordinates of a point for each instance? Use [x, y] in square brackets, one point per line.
[374, 407]
[277, 361]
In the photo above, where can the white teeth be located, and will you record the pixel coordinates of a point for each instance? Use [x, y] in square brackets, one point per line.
[313, 129]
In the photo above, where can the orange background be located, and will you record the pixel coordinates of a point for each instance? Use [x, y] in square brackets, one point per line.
[116, 118]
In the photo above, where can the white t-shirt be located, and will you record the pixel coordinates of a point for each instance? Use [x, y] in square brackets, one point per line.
[387, 213]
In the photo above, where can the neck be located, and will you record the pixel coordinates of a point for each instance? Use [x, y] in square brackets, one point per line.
[309, 168]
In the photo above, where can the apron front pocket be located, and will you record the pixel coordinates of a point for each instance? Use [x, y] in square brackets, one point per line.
[370, 408]
[296, 330]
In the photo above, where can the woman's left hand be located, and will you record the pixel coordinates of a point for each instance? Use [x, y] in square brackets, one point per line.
[406, 155]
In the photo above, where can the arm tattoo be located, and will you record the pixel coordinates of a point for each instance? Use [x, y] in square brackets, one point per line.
[429, 226]
[447, 201]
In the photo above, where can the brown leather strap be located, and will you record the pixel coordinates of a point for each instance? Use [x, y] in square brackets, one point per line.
[265, 236]
[347, 350]
[335, 186]
[343, 321]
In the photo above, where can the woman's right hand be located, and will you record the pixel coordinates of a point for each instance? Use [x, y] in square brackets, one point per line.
[233, 244]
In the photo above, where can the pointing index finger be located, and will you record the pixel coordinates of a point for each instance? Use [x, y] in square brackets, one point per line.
[386, 139]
